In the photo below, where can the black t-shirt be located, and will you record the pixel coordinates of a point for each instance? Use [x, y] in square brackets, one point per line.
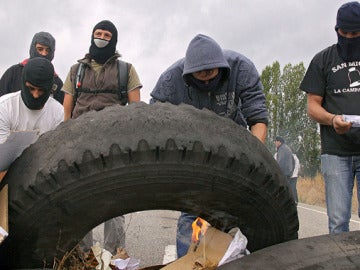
[338, 82]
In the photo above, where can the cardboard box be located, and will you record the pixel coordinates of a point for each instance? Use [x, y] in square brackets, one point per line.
[207, 253]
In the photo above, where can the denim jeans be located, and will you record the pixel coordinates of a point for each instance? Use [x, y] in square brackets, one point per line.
[183, 234]
[339, 175]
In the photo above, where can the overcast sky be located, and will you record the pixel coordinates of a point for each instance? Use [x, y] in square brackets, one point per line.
[152, 34]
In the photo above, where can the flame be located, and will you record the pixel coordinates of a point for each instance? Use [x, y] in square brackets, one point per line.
[199, 227]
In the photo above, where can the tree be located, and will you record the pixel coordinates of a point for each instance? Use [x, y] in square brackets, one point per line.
[288, 114]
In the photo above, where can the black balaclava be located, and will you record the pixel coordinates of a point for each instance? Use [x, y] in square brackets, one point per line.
[348, 20]
[43, 38]
[101, 55]
[39, 72]
[213, 84]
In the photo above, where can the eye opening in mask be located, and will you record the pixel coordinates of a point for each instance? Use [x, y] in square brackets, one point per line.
[206, 84]
[34, 89]
[206, 75]
[103, 34]
[42, 49]
[348, 34]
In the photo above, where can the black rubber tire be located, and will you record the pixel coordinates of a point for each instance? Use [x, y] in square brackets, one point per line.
[333, 252]
[143, 157]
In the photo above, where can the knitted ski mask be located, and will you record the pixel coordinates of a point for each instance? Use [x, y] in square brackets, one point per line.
[100, 51]
[46, 39]
[39, 72]
[211, 86]
[348, 20]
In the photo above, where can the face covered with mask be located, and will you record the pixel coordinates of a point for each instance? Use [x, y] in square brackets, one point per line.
[207, 80]
[42, 39]
[348, 31]
[39, 72]
[103, 41]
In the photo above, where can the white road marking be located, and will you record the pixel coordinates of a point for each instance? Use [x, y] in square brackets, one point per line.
[313, 210]
[324, 213]
[170, 254]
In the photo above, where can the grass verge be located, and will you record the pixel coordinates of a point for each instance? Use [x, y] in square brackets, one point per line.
[312, 191]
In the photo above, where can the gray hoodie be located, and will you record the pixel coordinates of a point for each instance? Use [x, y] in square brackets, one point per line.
[239, 97]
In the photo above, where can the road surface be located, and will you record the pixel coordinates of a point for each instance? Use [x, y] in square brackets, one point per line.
[313, 221]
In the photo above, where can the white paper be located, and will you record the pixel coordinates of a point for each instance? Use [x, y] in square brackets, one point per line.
[14, 145]
[354, 119]
[3, 232]
[102, 256]
[127, 264]
[237, 247]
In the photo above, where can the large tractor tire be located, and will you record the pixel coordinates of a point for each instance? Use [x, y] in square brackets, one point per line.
[142, 157]
[332, 252]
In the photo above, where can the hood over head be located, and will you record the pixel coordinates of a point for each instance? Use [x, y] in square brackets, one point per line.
[44, 38]
[39, 72]
[204, 53]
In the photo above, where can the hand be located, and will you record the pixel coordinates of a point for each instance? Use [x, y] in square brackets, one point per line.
[340, 126]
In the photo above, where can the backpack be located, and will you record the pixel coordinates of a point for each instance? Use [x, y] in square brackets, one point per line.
[123, 76]
[292, 163]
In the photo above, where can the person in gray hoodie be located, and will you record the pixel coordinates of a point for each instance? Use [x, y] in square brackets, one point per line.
[223, 81]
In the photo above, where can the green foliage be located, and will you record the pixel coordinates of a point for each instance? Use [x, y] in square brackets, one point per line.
[288, 117]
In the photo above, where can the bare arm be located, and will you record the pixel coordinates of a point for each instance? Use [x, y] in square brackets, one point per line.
[323, 117]
[259, 131]
[68, 106]
[134, 95]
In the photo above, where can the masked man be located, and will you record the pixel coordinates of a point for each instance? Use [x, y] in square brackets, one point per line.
[223, 81]
[95, 82]
[32, 108]
[332, 85]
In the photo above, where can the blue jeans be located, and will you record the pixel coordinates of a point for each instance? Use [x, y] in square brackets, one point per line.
[183, 234]
[339, 175]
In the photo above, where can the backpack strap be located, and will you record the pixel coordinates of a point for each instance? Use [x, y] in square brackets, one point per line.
[79, 76]
[123, 77]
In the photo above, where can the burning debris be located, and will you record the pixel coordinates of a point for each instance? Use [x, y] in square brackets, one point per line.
[210, 248]
[199, 227]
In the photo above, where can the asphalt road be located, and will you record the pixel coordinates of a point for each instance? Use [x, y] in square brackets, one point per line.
[150, 235]
[313, 221]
